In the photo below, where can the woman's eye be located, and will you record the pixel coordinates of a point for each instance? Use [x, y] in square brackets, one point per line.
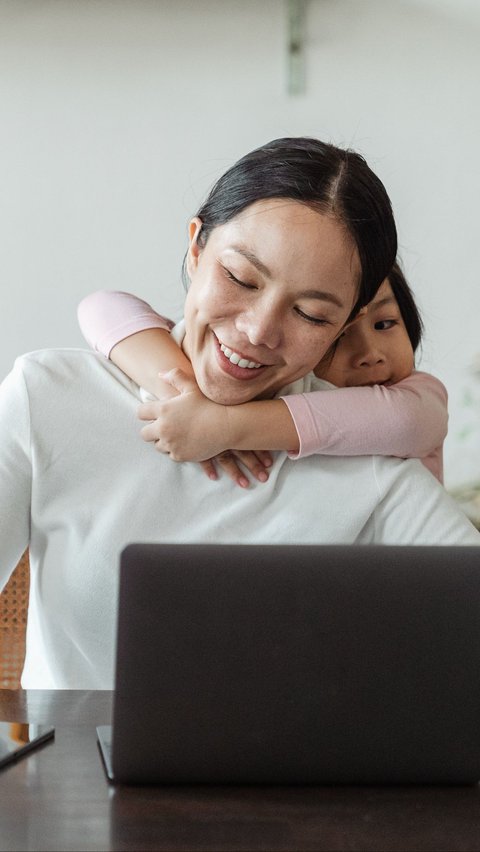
[314, 320]
[384, 325]
[235, 280]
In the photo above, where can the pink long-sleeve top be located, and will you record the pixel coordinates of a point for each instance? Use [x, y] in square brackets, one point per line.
[407, 420]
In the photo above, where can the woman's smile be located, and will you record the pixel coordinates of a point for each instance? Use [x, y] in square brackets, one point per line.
[236, 364]
[235, 359]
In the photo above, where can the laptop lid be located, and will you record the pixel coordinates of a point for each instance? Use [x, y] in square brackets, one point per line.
[297, 664]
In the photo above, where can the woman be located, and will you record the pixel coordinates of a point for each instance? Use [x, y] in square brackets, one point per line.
[290, 243]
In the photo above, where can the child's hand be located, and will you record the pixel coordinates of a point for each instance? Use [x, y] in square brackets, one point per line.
[188, 427]
[255, 462]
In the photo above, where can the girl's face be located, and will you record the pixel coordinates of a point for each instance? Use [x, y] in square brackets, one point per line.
[374, 350]
[270, 291]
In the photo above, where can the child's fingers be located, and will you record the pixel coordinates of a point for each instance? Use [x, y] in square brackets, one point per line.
[209, 468]
[228, 463]
[230, 460]
[265, 458]
[253, 462]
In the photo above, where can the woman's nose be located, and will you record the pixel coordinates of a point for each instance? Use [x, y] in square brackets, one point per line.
[261, 326]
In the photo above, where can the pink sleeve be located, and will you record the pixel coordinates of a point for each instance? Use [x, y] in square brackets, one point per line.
[408, 419]
[109, 316]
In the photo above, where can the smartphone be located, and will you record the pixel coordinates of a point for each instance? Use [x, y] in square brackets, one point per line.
[18, 738]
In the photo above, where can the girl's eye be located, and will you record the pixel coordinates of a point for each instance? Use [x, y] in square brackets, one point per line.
[314, 320]
[384, 325]
[235, 280]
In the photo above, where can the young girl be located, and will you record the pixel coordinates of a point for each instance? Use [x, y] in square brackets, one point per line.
[370, 400]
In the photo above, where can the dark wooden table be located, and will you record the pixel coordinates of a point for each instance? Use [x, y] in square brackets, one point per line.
[58, 798]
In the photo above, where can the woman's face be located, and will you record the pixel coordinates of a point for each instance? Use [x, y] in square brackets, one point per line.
[269, 293]
[375, 349]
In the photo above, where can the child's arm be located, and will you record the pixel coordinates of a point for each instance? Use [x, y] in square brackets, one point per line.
[127, 330]
[191, 427]
[407, 420]
[109, 316]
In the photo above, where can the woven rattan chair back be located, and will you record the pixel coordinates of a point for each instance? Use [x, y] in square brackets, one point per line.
[13, 625]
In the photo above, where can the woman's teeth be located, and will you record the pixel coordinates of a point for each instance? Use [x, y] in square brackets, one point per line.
[238, 360]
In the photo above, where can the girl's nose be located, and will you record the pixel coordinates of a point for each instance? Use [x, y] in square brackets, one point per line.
[367, 353]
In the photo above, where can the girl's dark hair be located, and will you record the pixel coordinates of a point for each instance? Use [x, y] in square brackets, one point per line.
[406, 302]
[329, 179]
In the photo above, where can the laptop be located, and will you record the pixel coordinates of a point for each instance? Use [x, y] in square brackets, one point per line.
[282, 664]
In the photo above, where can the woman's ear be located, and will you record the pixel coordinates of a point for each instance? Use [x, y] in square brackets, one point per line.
[193, 253]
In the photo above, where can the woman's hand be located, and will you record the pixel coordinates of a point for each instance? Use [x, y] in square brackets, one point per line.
[190, 427]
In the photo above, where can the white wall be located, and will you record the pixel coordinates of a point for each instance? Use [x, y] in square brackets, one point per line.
[117, 115]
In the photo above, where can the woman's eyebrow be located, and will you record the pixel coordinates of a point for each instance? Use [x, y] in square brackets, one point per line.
[254, 260]
[322, 295]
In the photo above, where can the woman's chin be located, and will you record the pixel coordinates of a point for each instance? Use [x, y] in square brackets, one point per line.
[222, 396]
[227, 391]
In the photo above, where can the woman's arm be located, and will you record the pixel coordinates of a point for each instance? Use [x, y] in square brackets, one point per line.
[408, 419]
[414, 509]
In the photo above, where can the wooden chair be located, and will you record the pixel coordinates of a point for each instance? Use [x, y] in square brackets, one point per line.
[13, 625]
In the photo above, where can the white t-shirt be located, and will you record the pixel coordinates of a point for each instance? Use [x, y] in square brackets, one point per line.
[77, 483]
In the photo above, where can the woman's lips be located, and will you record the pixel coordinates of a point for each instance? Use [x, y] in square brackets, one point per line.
[235, 364]
[237, 359]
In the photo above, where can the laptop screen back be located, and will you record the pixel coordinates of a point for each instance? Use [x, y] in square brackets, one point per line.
[298, 664]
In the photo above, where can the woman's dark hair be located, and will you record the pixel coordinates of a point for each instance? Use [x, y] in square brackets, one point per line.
[329, 179]
[406, 302]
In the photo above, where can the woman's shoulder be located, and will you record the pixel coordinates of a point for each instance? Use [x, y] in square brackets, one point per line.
[68, 368]
[55, 358]
[69, 377]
